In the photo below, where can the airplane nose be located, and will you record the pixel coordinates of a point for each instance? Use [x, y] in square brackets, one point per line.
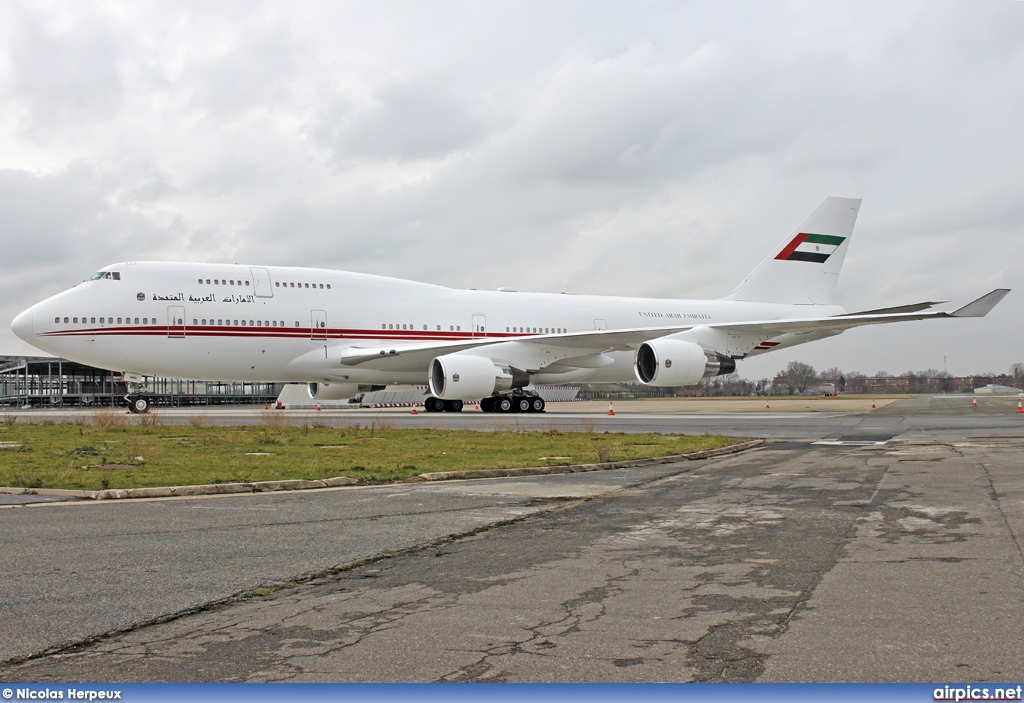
[22, 325]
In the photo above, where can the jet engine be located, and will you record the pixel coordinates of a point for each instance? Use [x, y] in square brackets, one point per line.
[339, 391]
[461, 377]
[673, 362]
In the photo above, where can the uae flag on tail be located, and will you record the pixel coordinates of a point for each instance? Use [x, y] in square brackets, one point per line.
[811, 247]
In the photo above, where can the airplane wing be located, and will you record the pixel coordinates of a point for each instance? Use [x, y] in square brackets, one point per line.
[405, 355]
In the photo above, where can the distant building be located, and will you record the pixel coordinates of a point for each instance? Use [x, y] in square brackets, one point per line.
[996, 389]
[49, 382]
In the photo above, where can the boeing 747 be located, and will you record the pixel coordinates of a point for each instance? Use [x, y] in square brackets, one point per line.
[343, 333]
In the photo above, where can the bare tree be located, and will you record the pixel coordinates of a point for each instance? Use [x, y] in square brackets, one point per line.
[797, 377]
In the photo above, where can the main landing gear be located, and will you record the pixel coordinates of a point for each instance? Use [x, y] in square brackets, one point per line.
[513, 404]
[436, 405]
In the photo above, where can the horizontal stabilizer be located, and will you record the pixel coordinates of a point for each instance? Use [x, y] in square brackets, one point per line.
[982, 306]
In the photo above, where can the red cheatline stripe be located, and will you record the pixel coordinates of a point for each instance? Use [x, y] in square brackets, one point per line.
[283, 333]
[791, 247]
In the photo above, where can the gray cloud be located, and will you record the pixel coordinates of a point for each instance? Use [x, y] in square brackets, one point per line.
[658, 150]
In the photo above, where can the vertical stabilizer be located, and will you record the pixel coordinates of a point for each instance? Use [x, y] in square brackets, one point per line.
[804, 269]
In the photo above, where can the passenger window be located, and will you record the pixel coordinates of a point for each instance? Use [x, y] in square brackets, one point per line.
[119, 320]
[328, 286]
[195, 321]
[383, 326]
[65, 320]
[307, 285]
[292, 284]
[296, 323]
[207, 280]
[136, 320]
[247, 283]
[57, 320]
[92, 320]
[277, 284]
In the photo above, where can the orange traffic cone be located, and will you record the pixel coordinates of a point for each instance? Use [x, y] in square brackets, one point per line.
[266, 406]
[1020, 408]
[975, 403]
[414, 411]
[611, 411]
[318, 407]
[872, 405]
[767, 405]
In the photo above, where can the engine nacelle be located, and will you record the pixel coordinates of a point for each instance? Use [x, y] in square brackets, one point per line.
[673, 362]
[463, 377]
[339, 391]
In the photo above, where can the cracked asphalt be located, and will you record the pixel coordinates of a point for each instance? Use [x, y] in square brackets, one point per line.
[797, 562]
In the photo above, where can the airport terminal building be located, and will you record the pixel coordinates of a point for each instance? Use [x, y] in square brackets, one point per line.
[50, 382]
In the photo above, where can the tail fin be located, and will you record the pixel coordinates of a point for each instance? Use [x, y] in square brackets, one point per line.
[804, 269]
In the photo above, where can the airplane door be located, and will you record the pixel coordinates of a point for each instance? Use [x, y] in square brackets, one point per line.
[479, 326]
[600, 323]
[175, 321]
[261, 283]
[318, 324]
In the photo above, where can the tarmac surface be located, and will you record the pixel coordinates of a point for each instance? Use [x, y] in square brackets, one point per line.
[857, 546]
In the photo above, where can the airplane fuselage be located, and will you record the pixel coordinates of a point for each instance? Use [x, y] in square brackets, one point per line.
[287, 324]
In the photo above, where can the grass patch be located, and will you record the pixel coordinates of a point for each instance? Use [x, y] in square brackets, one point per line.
[109, 454]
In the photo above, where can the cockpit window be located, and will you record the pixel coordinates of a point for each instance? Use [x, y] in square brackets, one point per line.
[110, 275]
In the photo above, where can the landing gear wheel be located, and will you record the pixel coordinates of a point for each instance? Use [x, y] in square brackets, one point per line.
[537, 405]
[522, 404]
[138, 404]
[504, 405]
[434, 405]
[487, 405]
[453, 406]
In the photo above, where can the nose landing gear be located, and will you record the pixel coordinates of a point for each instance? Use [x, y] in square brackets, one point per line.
[137, 402]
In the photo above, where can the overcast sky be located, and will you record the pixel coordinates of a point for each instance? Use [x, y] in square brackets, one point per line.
[629, 148]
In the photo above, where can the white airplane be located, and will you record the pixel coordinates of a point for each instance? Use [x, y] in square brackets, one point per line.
[344, 333]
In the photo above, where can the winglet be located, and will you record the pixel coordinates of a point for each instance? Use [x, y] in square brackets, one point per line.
[981, 306]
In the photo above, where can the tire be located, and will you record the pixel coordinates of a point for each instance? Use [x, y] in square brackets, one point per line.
[138, 404]
[537, 405]
[487, 405]
[453, 406]
[434, 405]
[522, 405]
[504, 405]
